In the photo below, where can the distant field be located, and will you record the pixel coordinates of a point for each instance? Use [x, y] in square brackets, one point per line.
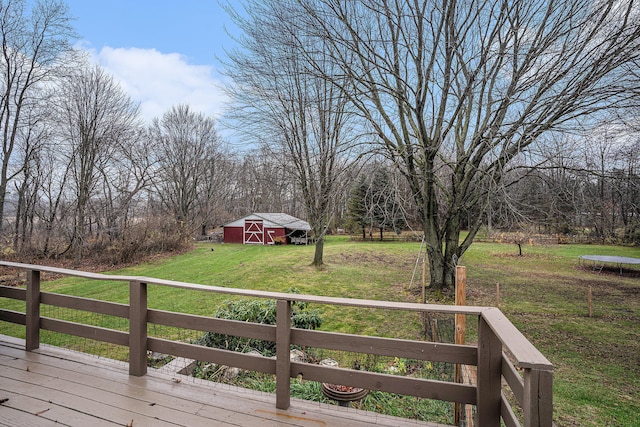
[544, 292]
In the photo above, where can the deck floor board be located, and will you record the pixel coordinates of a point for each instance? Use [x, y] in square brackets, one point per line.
[52, 386]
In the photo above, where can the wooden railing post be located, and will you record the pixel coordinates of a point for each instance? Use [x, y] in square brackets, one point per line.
[283, 350]
[461, 330]
[538, 398]
[32, 337]
[489, 376]
[137, 328]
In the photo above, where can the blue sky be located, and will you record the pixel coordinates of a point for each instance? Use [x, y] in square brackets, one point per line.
[162, 52]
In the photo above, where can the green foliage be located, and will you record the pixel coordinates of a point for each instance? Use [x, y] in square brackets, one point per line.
[258, 311]
[356, 206]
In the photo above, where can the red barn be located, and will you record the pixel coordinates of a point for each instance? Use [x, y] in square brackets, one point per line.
[267, 229]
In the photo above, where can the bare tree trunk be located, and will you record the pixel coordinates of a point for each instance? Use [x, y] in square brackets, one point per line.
[318, 254]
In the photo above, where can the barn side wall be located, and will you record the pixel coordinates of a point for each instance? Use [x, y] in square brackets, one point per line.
[277, 235]
[233, 235]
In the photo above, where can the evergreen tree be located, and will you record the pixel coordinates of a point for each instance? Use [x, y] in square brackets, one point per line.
[357, 212]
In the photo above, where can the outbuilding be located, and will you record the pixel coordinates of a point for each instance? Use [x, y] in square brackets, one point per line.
[267, 229]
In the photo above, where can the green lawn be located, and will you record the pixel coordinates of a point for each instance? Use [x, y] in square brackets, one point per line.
[544, 293]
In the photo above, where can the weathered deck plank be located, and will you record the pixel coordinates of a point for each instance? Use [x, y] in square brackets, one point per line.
[54, 386]
[48, 412]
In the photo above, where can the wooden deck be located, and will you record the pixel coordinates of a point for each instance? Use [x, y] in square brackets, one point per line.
[52, 386]
[157, 400]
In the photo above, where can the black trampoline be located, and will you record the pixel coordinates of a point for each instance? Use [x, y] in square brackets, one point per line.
[599, 261]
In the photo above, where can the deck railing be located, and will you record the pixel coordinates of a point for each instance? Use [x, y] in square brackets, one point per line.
[529, 377]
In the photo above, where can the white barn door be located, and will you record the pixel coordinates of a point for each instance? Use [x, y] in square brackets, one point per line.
[253, 231]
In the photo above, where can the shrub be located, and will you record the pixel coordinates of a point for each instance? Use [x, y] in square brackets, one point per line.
[258, 311]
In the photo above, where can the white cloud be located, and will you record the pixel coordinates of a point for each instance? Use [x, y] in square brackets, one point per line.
[159, 81]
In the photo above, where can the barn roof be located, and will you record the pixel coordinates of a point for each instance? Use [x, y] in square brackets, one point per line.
[274, 220]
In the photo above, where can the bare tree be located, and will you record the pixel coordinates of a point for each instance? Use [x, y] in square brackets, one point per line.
[54, 200]
[187, 148]
[376, 201]
[32, 139]
[540, 189]
[35, 47]
[610, 183]
[122, 179]
[455, 91]
[302, 118]
[217, 189]
[628, 189]
[265, 183]
[97, 117]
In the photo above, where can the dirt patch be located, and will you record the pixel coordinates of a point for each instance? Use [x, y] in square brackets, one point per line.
[597, 283]
[630, 290]
[357, 258]
[525, 255]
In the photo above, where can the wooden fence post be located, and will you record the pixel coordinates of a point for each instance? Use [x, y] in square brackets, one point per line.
[423, 299]
[461, 299]
[283, 351]
[461, 328]
[32, 334]
[489, 376]
[423, 279]
[137, 328]
[537, 403]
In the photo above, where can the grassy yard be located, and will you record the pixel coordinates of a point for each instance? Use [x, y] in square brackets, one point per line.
[544, 292]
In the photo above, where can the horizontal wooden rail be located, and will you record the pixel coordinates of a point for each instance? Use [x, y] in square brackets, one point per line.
[351, 302]
[85, 304]
[85, 331]
[13, 317]
[525, 354]
[508, 416]
[205, 324]
[249, 362]
[511, 376]
[430, 389]
[418, 350]
[13, 293]
[529, 376]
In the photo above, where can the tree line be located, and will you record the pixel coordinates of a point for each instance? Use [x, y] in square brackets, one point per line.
[461, 98]
[365, 115]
